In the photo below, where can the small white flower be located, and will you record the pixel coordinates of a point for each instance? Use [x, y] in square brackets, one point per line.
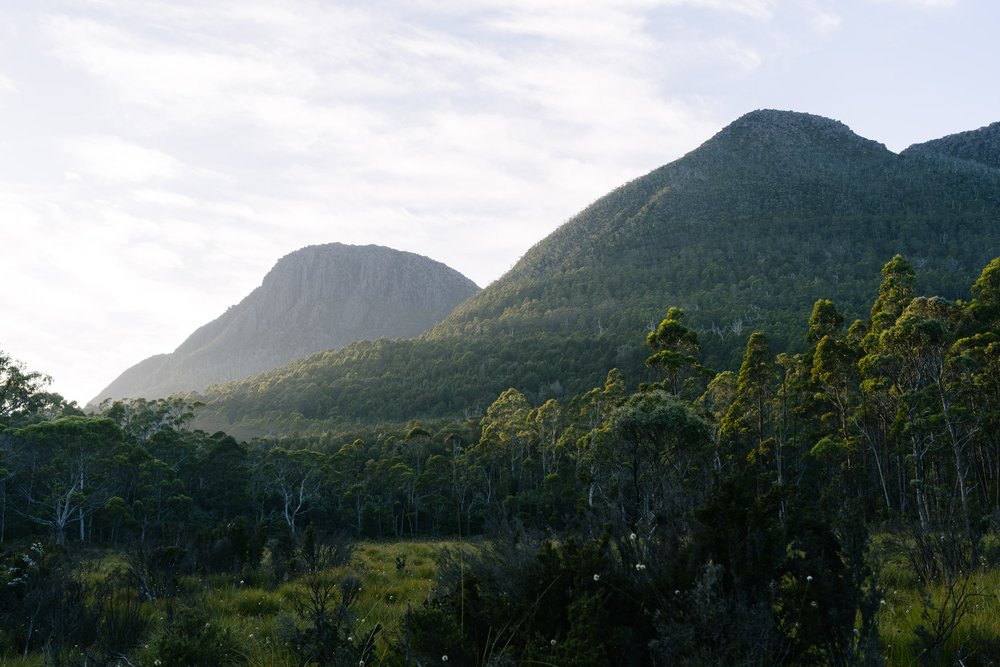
[552, 642]
[677, 592]
[639, 567]
[813, 604]
[444, 658]
[809, 578]
[597, 577]
[632, 537]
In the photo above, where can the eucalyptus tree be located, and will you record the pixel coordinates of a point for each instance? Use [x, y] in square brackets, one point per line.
[21, 391]
[894, 293]
[825, 320]
[747, 427]
[347, 466]
[220, 479]
[504, 445]
[653, 454]
[589, 413]
[675, 351]
[60, 471]
[298, 478]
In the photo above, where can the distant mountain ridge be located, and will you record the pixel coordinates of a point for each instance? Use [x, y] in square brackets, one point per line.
[981, 146]
[744, 233]
[317, 298]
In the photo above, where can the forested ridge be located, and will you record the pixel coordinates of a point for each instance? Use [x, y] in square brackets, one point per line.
[833, 506]
[744, 233]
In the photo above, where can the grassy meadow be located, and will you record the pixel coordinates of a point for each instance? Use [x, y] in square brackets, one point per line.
[252, 615]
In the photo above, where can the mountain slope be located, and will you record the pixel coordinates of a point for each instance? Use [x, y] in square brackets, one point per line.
[744, 233]
[981, 146]
[317, 298]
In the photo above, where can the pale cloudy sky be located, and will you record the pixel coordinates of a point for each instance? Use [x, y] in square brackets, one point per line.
[158, 156]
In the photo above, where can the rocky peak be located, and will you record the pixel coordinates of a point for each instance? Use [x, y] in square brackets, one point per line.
[317, 298]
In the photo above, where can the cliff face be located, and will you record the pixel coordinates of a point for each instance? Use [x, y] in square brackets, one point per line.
[317, 298]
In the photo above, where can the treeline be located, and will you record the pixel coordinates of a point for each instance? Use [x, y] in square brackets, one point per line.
[899, 411]
[704, 518]
[724, 518]
[395, 381]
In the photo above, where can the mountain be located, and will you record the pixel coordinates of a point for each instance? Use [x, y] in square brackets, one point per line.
[317, 298]
[981, 146]
[744, 233]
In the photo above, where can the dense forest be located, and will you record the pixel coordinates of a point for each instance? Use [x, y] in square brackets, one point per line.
[833, 503]
[744, 234]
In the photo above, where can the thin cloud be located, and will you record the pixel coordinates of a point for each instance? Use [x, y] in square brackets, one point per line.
[111, 159]
[825, 22]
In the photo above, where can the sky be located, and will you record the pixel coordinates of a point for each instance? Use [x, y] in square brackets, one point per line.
[157, 157]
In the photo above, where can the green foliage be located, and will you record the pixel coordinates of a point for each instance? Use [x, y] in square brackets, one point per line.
[744, 234]
[746, 425]
[194, 637]
[22, 396]
[730, 529]
[675, 350]
[824, 321]
[529, 602]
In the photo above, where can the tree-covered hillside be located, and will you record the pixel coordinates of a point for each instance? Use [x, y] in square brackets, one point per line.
[744, 233]
[776, 208]
[982, 146]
